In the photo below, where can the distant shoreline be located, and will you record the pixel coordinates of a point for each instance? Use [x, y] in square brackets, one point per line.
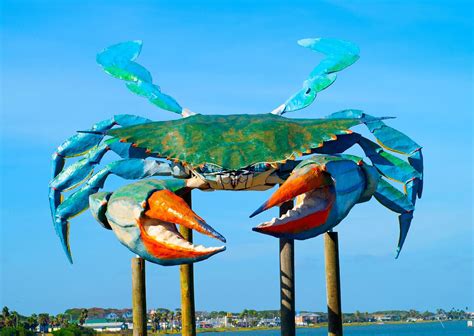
[320, 325]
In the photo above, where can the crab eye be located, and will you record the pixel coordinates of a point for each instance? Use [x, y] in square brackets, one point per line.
[308, 91]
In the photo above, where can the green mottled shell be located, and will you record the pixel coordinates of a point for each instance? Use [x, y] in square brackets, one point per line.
[233, 141]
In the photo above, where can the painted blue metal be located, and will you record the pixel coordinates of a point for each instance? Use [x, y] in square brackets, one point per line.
[118, 61]
[349, 186]
[398, 202]
[354, 181]
[339, 55]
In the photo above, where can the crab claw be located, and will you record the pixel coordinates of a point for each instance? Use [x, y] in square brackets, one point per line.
[168, 207]
[144, 215]
[160, 235]
[314, 189]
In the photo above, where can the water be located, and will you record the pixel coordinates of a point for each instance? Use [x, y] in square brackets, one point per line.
[456, 328]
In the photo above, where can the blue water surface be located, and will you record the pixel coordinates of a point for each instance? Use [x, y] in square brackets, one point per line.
[456, 328]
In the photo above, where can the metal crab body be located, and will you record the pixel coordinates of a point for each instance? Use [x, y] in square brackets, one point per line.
[231, 152]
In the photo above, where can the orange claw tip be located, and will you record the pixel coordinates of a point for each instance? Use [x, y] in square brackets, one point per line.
[169, 207]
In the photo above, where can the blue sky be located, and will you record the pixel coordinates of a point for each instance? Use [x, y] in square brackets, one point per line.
[239, 57]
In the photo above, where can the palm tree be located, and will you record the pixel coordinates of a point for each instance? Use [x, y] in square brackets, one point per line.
[83, 316]
[32, 322]
[243, 316]
[14, 319]
[61, 320]
[171, 319]
[5, 315]
[56, 321]
[177, 315]
[357, 316]
[155, 320]
[43, 321]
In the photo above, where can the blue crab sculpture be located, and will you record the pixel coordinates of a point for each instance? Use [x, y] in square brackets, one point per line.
[307, 157]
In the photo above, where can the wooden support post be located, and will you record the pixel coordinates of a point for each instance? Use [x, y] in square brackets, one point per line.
[333, 284]
[287, 280]
[188, 314]
[139, 297]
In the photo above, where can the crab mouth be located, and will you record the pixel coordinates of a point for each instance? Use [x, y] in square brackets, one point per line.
[313, 189]
[160, 235]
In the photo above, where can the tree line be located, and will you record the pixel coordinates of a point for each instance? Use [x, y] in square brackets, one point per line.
[165, 319]
[40, 321]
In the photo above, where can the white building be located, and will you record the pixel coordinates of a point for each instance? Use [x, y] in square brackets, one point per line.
[108, 326]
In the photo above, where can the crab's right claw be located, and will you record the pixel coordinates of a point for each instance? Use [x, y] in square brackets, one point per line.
[313, 188]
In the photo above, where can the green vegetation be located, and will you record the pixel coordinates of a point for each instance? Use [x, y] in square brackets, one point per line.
[14, 324]
[165, 321]
[16, 331]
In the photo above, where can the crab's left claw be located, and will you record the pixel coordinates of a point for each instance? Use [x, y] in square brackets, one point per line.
[166, 206]
[144, 215]
[314, 189]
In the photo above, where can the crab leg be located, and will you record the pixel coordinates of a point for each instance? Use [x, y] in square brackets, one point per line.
[394, 168]
[339, 55]
[81, 143]
[119, 61]
[131, 169]
[392, 140]
[87, 143]
[398, 202]
[409, 172]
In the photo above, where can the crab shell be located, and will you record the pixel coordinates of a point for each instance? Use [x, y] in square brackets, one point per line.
[233, 142]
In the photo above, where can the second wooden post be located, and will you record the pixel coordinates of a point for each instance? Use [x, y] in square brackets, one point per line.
[333, 284]
[188, 313]
[139, 297]
[287, 280]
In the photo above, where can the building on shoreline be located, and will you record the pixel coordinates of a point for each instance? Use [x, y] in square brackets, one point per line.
[101, 325]
[304, 319]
